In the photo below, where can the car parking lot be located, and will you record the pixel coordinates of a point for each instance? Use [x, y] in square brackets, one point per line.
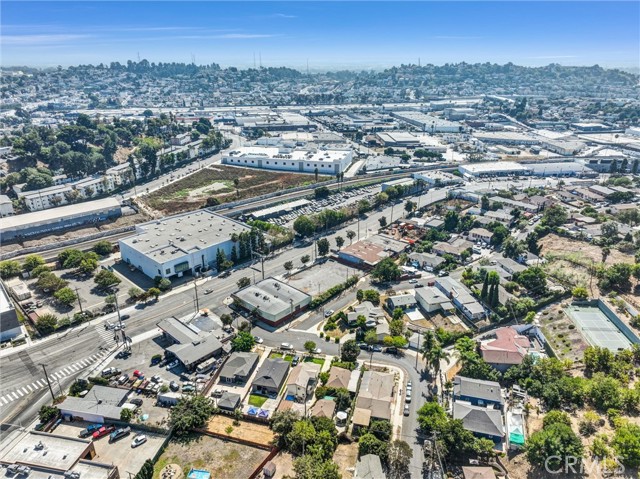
[335, 201]
[120, 453]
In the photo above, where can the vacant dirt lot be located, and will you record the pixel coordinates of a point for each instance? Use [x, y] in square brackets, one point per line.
[217, 181]
[562, 334]
[220, 458]
[588, 252]
[345, 457]
[257, 433]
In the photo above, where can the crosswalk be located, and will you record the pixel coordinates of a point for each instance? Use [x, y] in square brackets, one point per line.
[39, 384]
[106, 336]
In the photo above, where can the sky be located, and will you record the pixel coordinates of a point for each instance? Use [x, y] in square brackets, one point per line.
[326, 35]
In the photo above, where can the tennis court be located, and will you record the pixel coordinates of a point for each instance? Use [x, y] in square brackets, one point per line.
[597, 328]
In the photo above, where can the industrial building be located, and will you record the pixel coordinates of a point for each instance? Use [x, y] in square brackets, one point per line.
[506, 137]
[6, 206]
[274, 301]
[185, 243]
[437, 178]
[428, 123]
[324, 161]
[505, 168]
[9, 324]
[191, 346]
[494, 168]
[398, 139]
[368, 252]
[57, 219]
[41, 455]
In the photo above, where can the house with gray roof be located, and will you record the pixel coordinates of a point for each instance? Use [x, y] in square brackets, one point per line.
[461, 298]
[481, 421]
[402, 301]
[477, 391]
[100, 404]
[369, 467]
[229, 401]
[270, 377]
[239, 367]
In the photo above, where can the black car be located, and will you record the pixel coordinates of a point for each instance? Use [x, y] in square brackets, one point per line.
[124, 316]
[123, 354]
[136, 401]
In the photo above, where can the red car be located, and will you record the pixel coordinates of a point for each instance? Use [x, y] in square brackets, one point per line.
[103, 431]
[138, 374]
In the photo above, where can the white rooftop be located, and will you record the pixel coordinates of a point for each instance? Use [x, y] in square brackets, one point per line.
[275, 153]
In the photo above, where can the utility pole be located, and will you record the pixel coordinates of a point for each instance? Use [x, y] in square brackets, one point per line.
[46, 377]
[79, 301]
[195, 287]
[418, 350]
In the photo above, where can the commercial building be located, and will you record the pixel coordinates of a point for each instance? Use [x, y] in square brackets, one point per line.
[398, 139]
[41, 455]
[404, 182]
[59, 219]
[368, 252]
[494, 168]
[10, 327]
[185, 243]
[437, 178]
[273, 300]
[6, 206]
[323, 160]
[506, 137]
[99, 405]
[191, 346]
[428, 123]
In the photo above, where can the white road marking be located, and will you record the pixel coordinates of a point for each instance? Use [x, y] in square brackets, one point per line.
[29, 388]
[24, 390]
[4, 401]
[15, 396]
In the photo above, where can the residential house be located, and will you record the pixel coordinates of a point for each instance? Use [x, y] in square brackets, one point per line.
[426, 261]
[509, 345]
[510, 266]
[434, 223]
[229, 401]
[501, 216]
[340, 378]
[402, 301]
[6, 206]
[323, 408]
[480, 234]
[371, 313]
[303, 380]
[270, 377]
[481, 421]
[432, 299]
[374, 397]
[478, 472]
[461, 298]
[455, 247]
[239, 367]
[382, 330]
[477, 392]
[601, 190]
[588, 195]
[369, 466]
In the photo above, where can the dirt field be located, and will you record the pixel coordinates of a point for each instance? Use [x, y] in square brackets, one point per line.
[217, 181]
[284, 465]
[345, 457]
[562, 334]
[586, 251]
[257, 433]
[220, 458]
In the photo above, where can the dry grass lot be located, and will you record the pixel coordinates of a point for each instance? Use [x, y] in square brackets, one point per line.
[345, 457]
[588, 252]
[217, 181]
[257, 433]
[562, 334]
[223, 459]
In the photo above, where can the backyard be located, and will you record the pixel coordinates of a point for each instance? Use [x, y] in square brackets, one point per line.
[221, 458]
[218, 182]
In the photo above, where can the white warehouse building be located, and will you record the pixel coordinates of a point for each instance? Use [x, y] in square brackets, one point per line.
[185, 243]
[327, 161]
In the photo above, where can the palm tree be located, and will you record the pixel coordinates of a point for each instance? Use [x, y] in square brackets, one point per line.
[437, 355]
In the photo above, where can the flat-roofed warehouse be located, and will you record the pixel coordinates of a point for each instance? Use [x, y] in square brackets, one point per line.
[180, 244]
[57, 219]
[428, 123]
[495, 168]
[50, 456]
[274, 301]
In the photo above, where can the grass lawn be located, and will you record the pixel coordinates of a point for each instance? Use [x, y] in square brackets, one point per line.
[288, 358]
[275, 355]
[311, 359]
[257, 401]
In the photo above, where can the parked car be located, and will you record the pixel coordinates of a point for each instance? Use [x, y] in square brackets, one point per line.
[208, 291]
[413, 281]
[172, 364]
[138, 440]
[295, 360]
[258, 339]
[364, 346]
[123, 379]
[406, 410]
[376, 348]
[136, 401]
[217, 393]
[224, 274]
[407, 397]
[139, 374]
[156, 360]
[110, 372]
[188, 388]
[103, 431]
[317, 351]
[156, 379]
[328, 313]
[174, 386]
[125, 316]
[89, 430]
[119, 434]
[286, 346]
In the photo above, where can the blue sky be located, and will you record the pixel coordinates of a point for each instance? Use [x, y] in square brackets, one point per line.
[327, 34]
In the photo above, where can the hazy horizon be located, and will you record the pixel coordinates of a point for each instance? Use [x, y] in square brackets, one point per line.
[327, 36]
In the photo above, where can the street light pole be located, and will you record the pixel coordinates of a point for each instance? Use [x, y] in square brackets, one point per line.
[418, 350]
[46, 377]
[79, 301]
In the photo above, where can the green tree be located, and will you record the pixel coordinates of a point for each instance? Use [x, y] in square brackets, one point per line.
[552, 445]
[339, 241]
[282, 424]
[154, 292]
[301, 435]
[533, 279]
[554, 216]
[626, 443]
[288, 266]
[399, 455]
[106, 279]
[190, 412]
[451, 220]
[243, 282]
[65, 296]
[485, 203]
[309, 346]
[51, 282]
[126, 415]
[226, 319]
[410, 206]
[369, 444]
[555, 416]
[103, 248]
[351, 234]
[381, 429]
[46, 324]
[135, 292]
[383, 221]
[9, 268]
[32, 261]
[244, 341]
[88, 265]
[386, 270]
[305, 259]
[47, 413]
[164, 284]
[312, 467]
[350, 351]
[323, 246]
[304, 226]
[146, 471]
[580, 292]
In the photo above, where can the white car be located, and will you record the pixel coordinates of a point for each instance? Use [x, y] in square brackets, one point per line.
[413, 281]
[138, 440]
[328, 313]
[172, 364]
[258, 339]
[317, 351]
[286, 346]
